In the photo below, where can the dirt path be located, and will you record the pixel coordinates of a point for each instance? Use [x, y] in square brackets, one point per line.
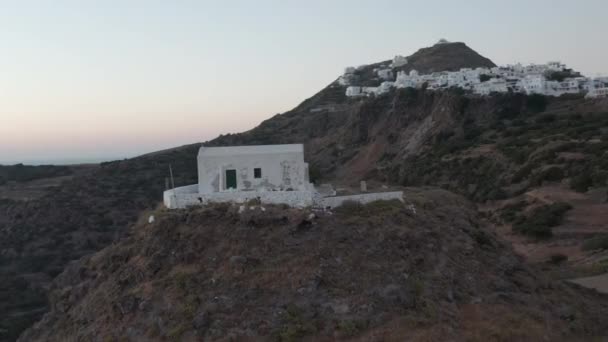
[599, 283]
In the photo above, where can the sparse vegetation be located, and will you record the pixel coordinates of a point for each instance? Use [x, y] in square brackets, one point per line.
[24, 173]
[510, 212]
[581, 182]
[379, 207]
[536, 103]
[541, 220]
[296, 326]
[596, 243]
[350, 328]
[558, 258]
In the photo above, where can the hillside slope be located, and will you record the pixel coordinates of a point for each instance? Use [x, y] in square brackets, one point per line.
[78, 217]
[485, 148]
[424, 270]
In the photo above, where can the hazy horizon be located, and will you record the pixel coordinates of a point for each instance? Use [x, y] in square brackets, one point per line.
[115, 79]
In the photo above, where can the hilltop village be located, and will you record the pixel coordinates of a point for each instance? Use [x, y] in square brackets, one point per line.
[551, 79]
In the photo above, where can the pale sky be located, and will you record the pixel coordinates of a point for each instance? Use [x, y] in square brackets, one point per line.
[86, 80]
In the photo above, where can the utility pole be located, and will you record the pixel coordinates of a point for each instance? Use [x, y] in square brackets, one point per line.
[173, 185]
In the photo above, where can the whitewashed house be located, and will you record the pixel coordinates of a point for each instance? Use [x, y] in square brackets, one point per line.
[534, 84]
[385, 74]
[353, 91]
[369, 90]
[405, 80]
[598, 92]
[597, 88]
[385, 87]
[349, 70]
[398, 61]
[270, 173]
[494, 85]
[556, 66]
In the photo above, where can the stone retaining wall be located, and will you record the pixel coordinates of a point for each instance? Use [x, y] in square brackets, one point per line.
[336, 201]
[185, 197]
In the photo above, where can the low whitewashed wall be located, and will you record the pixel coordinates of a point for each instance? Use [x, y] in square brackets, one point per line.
[336, 201]
[298, 199]
[181, 197]
[185, 198]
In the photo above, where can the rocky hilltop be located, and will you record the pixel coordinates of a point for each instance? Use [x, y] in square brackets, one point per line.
[512, 154]
[421, 270]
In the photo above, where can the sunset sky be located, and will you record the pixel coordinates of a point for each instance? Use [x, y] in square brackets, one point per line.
[87, 80]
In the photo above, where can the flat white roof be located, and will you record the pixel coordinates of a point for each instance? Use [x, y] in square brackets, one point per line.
[254, 149]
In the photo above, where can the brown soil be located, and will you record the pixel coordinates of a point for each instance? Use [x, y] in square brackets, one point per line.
[371, 273]
[599, 283]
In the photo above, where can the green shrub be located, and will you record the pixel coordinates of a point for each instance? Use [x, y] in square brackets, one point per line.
[551, 174]
[599, 178]
[546, 118]
[481, 237]
[541, 220]
[597, 242]
[510, 212]
[558, 258]
[24, 173]
[354, 208]
[536, 103]
[295, 325]
[484, 78]
[582, 182]
[314, 174]
[351, 328]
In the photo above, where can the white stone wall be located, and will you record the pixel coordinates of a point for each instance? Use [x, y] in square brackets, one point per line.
[183, 199]
[353, 91]
[336, 201]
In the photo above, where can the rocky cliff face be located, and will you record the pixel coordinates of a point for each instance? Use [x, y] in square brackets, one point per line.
[420, 270]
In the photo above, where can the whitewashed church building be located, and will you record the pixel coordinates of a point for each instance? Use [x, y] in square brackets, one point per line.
[270, 174]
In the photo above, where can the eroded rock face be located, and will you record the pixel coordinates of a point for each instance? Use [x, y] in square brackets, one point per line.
[212, 272]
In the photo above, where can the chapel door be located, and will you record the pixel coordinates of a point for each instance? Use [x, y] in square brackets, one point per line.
[230, 179]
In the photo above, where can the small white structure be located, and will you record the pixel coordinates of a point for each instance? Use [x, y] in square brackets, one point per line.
[385, 87]
[269, 173]
[385, 74]
[369, 90]
[349, 70]
[353, 91]
[534, 84]
[398, 61]
[494, 85]
[252, 168]
[597, 88]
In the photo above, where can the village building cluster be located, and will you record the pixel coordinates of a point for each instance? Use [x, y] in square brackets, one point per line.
[529, 79]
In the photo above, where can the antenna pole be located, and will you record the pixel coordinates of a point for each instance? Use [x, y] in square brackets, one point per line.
[173, 185]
